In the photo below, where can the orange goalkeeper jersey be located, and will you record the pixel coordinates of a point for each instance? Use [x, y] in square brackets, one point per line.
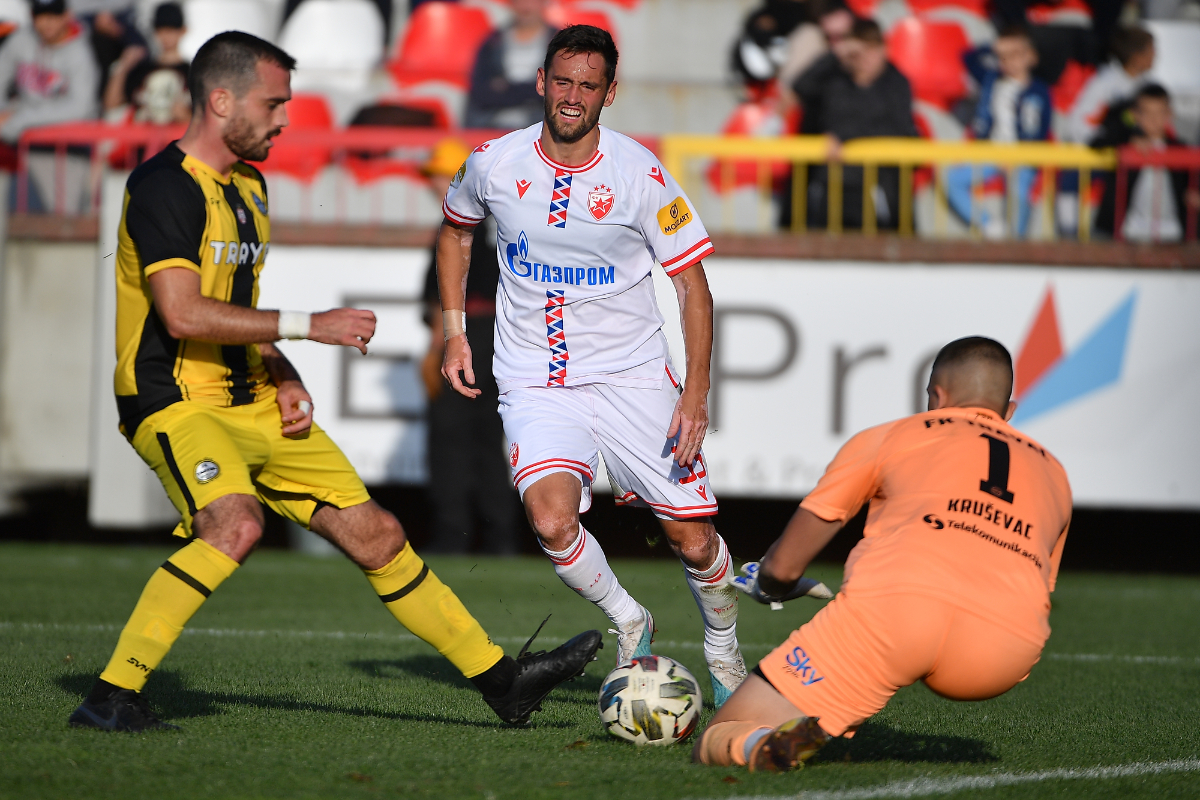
[963, 507]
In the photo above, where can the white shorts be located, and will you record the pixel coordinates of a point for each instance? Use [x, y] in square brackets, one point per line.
[565, 429]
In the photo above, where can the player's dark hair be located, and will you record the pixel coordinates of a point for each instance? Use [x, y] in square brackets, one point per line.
[1016, 31]
[974, 349]
[576, 39]
[1152, 91]
[866, 30]
[229, 60]
[1127, 43]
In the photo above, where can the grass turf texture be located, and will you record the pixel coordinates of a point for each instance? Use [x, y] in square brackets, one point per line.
[294, 681]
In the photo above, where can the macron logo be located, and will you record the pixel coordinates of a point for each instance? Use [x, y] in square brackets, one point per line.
[1047, 376]
[522, 188]
[656, 173]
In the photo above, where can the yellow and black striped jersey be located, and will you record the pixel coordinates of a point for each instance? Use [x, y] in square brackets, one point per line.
[180, 212]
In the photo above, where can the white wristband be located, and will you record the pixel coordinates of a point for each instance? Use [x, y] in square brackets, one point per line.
[454, 322]
[294, 324]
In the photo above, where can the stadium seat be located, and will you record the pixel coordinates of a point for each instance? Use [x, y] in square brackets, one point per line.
[13, 14]
[207, 18]
[563, 14]
[1177, 60]
[929, 53]
[440, 44]
[753, 118]
[1070, 84]
[1061, 13]
[978, 29]
[302, 162]
[863, 8]
[335, 42]
[978, 7]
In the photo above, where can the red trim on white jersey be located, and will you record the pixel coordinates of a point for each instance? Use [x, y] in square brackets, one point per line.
[454, 216]
[693, 255]
[593, 161]
[551, 463]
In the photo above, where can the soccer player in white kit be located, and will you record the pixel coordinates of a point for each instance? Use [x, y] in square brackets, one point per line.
[582, 213]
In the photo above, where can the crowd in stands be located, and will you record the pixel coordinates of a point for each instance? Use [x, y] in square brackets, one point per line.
[997, 70]
[1040, 70]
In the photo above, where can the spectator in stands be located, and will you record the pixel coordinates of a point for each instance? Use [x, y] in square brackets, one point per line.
[503, 90]
[114, 30]
[1156, 199]
[156, 86]
[470, 492]
[850, 93]
[53, 71]
[1115, 83]
[1013, 106]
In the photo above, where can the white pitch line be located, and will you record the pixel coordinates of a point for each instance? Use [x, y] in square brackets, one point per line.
[927, 787]
[408, 637]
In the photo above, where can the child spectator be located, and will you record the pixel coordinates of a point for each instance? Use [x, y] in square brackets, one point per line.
[1117, 81]
[1156, 199]
[503, 90]
[156, 86]
[1013, 106]
[53, 71]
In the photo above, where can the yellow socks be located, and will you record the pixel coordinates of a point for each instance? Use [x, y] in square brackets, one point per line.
[174, 593]
[428, 608]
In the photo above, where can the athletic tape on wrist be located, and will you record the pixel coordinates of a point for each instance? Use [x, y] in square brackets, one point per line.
[454, 322]
[294, 324]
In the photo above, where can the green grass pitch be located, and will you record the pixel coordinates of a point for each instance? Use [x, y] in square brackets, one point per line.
[294, 681]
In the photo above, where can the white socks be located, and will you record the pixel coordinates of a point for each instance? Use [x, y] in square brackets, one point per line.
[717, 598]
[583, 567]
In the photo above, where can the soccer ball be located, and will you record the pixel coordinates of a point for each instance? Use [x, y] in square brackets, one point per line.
[651, 700]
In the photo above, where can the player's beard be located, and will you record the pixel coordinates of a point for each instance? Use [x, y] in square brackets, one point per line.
[569, 134]
[245, 143]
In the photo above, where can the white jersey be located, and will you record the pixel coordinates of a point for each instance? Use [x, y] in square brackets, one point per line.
[576, 245]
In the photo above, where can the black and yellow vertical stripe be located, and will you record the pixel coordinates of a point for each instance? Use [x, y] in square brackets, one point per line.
[180, 213]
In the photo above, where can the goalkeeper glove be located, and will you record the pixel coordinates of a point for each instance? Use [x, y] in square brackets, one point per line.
[804, 587]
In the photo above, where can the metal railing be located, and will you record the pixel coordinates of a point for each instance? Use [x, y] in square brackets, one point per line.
[908, 155]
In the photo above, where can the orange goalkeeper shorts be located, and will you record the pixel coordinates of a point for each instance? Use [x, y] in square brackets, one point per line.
[846, 663]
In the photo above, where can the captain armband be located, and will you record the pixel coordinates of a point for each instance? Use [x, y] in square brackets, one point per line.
[294, 324]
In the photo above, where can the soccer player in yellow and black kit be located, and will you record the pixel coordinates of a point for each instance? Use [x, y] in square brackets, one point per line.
[222, 417]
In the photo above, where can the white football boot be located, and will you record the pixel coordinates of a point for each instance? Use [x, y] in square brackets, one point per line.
[634, 638]
[727, 673]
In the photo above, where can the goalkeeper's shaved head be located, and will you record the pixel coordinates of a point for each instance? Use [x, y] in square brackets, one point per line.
[972, 372]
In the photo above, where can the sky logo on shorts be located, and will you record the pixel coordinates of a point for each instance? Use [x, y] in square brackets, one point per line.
[559, 199]
[798, 660]
[556, 337]
[1048, 377]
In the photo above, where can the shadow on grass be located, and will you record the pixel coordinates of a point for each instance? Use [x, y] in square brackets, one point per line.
[173, 700]
[875, 742]
[584, 689]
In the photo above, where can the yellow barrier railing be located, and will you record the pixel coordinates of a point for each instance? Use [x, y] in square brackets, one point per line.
[906, 154]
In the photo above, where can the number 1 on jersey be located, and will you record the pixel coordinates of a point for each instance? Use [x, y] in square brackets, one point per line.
[996, 482]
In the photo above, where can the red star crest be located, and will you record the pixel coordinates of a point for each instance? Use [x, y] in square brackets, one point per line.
[600, 201]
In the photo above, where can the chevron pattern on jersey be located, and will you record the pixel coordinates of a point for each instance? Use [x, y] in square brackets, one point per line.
[560, 199]
[556, 337]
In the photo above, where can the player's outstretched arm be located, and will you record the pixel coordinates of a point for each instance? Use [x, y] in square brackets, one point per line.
[453, 263]
[690, 419]
[295, 403]
[188, 314]
[784, 564]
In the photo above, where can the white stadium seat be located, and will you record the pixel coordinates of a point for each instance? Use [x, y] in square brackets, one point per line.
[14, 11]
[207, 18]
[1177, 59]
[336, 43]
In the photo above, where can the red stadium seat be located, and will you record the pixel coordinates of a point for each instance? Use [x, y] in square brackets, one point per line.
[302, 162]
[440, 44]
[1070, 84]
[562, 14]
[929, 53]
[863, 8]
[754, 118]
[925, 6]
